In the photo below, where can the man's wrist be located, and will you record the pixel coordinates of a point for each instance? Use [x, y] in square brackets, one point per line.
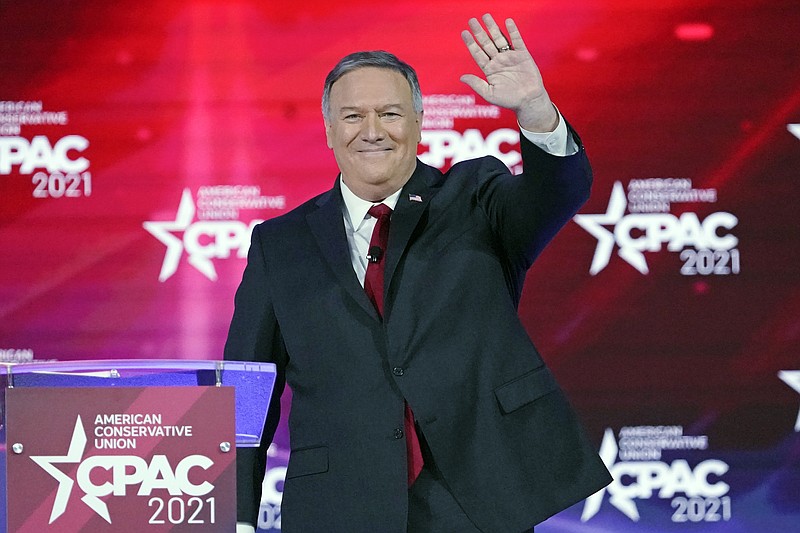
[558, 142]
[539, 116]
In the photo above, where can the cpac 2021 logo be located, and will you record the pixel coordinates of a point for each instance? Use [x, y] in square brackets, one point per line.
[707, 246]
[696, 494]
[453, 146]
[126, 471]
[445, 145]
[60, 170]
[210, 227]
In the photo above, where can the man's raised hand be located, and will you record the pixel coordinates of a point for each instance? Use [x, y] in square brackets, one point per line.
[512, 79]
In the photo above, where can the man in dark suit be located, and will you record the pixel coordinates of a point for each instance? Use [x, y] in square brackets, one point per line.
[389, 305]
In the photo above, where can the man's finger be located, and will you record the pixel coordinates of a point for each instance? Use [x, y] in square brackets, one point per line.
[500, 41]
[516, 37]
[475, 50]
[482, 38]
[477, 84]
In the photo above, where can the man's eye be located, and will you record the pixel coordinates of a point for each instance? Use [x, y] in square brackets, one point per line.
[352, 117]
[390, 115]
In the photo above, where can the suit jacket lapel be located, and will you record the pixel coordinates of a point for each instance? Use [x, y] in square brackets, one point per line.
[327, 225]
[413, 202]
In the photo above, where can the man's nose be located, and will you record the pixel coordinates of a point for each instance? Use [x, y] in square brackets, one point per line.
[372, 129]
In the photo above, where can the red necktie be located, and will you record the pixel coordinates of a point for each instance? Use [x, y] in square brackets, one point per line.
[373, 285]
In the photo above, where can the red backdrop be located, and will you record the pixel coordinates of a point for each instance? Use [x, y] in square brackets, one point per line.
[140, 140]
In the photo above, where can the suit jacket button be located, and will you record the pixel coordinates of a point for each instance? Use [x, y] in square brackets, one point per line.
[398, 433]
[397, 371]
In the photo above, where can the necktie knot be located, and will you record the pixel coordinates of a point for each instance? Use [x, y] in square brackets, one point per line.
[380, 210]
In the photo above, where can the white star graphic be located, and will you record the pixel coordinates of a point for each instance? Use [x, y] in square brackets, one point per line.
[605, 238]
[608, 453]
[792, 378]
[794, 129]
[74, 455]
[163, 231]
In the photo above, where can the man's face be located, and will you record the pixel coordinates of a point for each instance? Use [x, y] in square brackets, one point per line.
[373, 131]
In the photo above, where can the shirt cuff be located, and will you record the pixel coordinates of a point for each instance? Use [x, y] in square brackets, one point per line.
[243, 527]
[559, 142]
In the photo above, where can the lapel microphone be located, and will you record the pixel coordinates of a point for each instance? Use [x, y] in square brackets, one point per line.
[374, 254]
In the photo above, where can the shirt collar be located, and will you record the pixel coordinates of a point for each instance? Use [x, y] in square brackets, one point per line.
[355, 208]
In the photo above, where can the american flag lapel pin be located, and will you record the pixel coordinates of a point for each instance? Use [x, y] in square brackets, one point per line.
[414, 198]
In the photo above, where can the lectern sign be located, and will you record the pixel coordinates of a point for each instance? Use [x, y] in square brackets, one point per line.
[121, 459]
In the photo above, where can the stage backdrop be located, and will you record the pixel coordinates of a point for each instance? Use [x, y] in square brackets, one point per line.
[141, 140]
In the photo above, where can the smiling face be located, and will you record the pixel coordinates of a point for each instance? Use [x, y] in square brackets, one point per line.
[373, 131]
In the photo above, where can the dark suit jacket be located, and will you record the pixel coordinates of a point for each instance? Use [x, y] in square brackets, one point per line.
[451, 344]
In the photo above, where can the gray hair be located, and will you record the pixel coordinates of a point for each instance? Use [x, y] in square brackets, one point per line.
[377, 59]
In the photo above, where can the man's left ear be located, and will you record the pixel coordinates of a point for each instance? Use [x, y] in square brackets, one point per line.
[419, 127]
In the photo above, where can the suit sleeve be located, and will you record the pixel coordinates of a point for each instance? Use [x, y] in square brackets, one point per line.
[527, 210]
[254, 335]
